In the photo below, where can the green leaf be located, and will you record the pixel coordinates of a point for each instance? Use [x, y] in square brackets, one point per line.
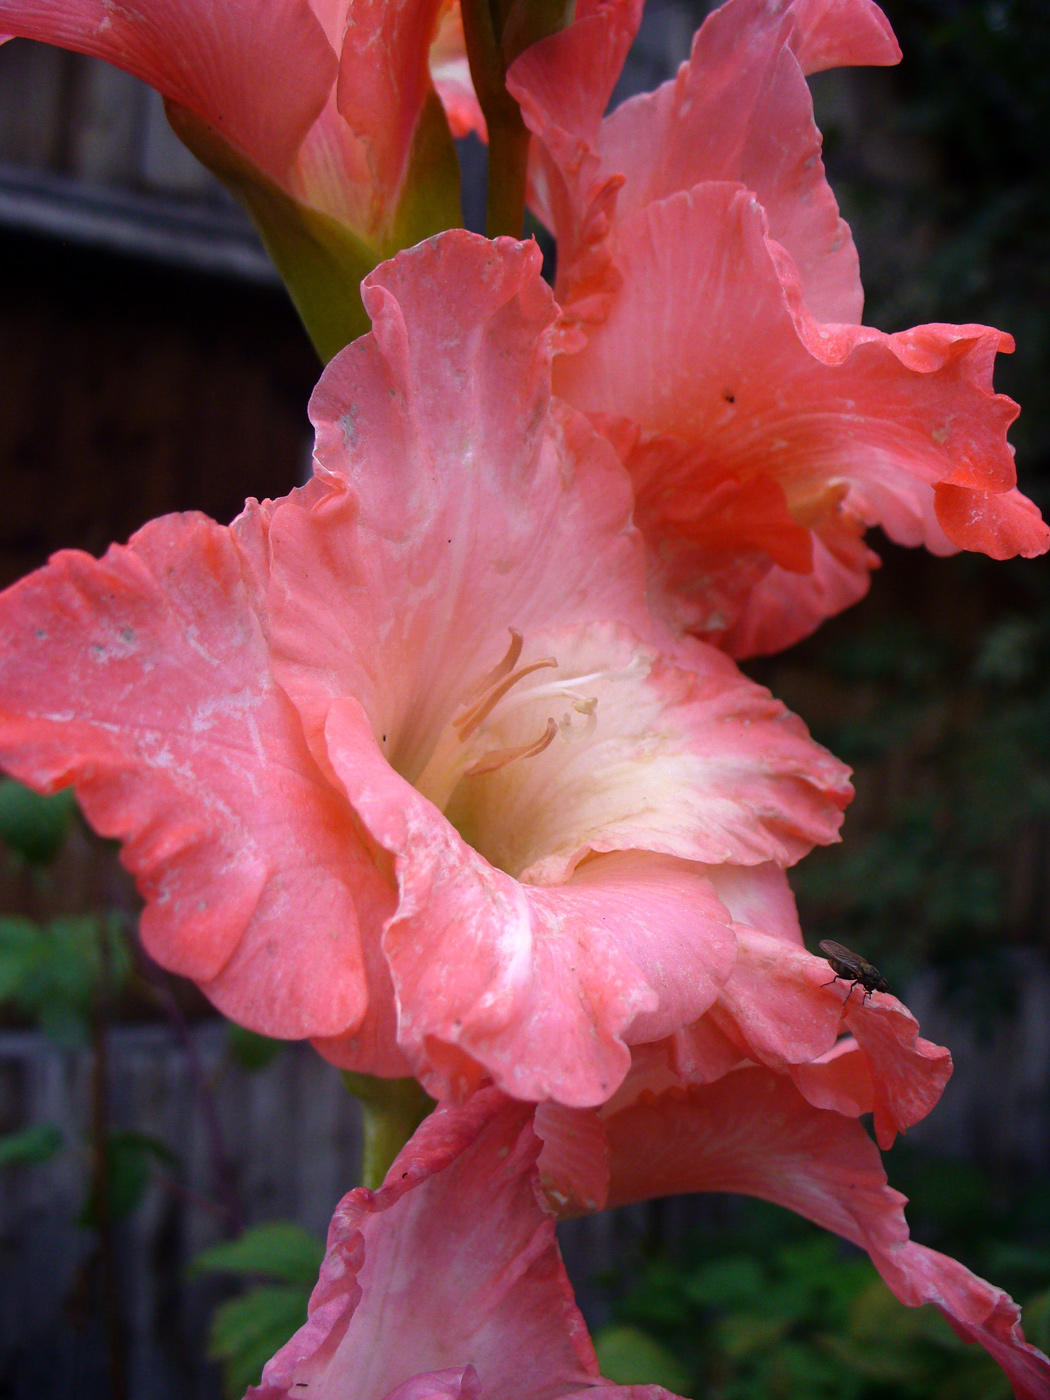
[246, 1331]
[729, 1282]
[630, 1356]
[250, 1050]
[280, 1249]
[743, 1334]
[21, 946]
[57, 985]
[1037, 1319]
[36, 1143]
[33, 825]
[320, 260]
[131, 1156]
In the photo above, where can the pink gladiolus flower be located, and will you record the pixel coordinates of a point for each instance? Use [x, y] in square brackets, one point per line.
[330, 103]
[399, 760]
[712, 300]
[447, 1282]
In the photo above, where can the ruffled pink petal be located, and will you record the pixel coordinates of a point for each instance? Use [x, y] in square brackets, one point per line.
[143, 679]
[563, 84]
[398, 576]
[540, 986]
[371, 1046]
[452, 504]
[739, 110]
[384, 82]
[908, 1073]
[783, 1008]
[332, 174]
[885, 1068]
[847, 419]
[840, 34]
[777, 1006]
[440, 1385]
[574, 1162]
[753, 1133]
[780, 608]
[760, 897]
[451, 1265]
[999, 524]
[839, 1080]
[259, 73]
[697, 763]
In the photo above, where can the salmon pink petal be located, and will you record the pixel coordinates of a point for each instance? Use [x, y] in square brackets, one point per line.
[143, 679]
[440, 601]
[760, 897]
[850, 421]
[446, 481]
[908, 1073]
[739, 110]
[574, 1163]
[450, 73]
[777, 1006]
[839, 1080]
[447, 1281]
[563, 84]
[440, 1385]
[753, 1133]
[999, 524]
[780, 1008]
[779, 608]
[549, 982]
[259, 73]
[384, 82]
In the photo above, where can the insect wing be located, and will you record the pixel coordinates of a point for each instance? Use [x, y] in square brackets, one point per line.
[844, 962]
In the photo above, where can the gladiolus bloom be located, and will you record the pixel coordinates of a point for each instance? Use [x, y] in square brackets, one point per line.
[321, 116]
[400, 761]
[448, 1282]
[711, 304]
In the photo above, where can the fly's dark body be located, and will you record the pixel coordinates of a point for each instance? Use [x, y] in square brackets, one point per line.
[852, 968]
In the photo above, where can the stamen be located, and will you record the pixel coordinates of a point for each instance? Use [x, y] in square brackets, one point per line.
[467, 723]
[500, 670]
[499, 758]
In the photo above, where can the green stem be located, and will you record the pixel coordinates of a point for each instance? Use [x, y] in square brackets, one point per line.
[508, 138]
[392, 1110]
[508, 162]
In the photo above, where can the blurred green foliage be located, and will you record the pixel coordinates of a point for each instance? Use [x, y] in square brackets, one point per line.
[52, 972]
[768, 1307]
[36, 1143]
[247, 1330]
[130, 1160]
[945, 860]
[34, 826]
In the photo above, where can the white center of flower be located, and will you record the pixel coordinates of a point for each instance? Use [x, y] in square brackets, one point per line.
[486, 772]
[466, 748]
